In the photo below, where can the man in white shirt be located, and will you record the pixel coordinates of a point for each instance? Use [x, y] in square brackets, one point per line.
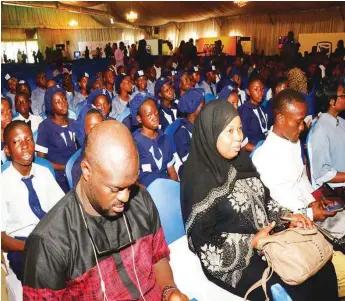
[281, 168]
[23, 105]
[119, 55]
[28, 192]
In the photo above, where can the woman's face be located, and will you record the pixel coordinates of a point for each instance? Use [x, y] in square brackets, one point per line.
[230, 139]
[59, 104]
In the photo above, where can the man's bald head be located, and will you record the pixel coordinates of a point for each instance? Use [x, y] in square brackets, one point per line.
[110, 167]
[109, 143]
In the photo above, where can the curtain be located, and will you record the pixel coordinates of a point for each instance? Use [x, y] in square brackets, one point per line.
[9, 34]
[264, 34]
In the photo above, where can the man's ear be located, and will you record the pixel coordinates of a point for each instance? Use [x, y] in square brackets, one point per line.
[86, 170]
[7, 151]
[280, 118]
[138, 118]
[332, 103]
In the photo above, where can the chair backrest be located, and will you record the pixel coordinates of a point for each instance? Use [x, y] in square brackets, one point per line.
[37, 160]
[256, 147]
[79, 107]
[171, 130]
[35, 135]
[72, 115]
[209, 97]
[166, 196]
[69, 167]
[123, 115]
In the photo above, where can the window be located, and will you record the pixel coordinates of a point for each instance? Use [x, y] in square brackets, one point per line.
[11, 50]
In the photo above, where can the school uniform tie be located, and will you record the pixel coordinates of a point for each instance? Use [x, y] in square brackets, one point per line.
[212, 90]
[28, 123]
[34, 202]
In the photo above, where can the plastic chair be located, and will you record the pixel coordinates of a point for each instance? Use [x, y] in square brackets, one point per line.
[79, 107]
[186, 267]
[69, 167]
[35, 135]
[209, 97]
[256, 147]
[123, 115]
[72, 115]
[37, 160]
[171, 130]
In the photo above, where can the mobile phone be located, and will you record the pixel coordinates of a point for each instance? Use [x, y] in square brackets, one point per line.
[337, 207]
[280, 228]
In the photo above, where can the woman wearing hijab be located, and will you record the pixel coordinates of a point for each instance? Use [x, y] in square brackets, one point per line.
[227, 210]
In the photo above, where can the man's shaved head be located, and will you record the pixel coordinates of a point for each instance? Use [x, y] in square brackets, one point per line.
[110, 167]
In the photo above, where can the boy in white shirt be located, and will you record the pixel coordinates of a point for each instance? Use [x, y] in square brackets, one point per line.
[28, 192]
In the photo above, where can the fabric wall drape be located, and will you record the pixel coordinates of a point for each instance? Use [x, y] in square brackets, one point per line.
[264, 34]
[12, 34]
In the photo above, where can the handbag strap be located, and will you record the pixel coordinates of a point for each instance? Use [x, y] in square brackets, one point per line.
[262, 282]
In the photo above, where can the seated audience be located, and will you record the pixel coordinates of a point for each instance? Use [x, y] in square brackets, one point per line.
[99, 99]
[82, 94]
[151, 79]
[67, 84]
[29, 191]
[167, 106]
[37, 95]
[23, 106]
[156, 156]
[195, 76]
[182, 83]
[327, 140]
[254, 118]
[231, 95]
[23, 87]
[140, 83]
[56, 135]
[120, 102]
[227, 210]
[6, 118]
[90, 260]
[85, 124]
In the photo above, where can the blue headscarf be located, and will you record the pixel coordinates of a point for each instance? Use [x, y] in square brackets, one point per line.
[191, 100]
[48, 96]
[160, 83]
[225, 92]
[95, 93]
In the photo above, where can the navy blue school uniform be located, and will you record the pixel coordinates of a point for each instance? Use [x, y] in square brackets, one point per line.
[183, 139]
[58, 143]
[155, 156]
[255, 124]
[76, 169]
[167, 115]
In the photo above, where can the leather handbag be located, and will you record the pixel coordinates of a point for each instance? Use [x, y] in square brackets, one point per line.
[295, 254]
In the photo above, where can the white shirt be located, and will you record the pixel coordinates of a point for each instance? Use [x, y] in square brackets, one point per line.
[151, 87]
[158, 71]
[35, 121]
[119, 55]
[281, 169]
[17, 218]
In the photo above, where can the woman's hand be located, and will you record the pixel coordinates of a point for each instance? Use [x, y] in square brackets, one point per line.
[299, 220]
[176, 295]
[263, 233]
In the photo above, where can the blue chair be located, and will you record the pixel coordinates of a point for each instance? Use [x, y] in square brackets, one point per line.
[72, 115]
[166, 196]
[79, 107]
[171, 130]
[279, 293]
[16, 114]
[44, 116]
[35, 135]
[209, 97]
[69, 166]
[123, 115]
[37, 160]
[256, 147]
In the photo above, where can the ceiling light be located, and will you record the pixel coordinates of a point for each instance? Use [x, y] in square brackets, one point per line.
[73, 23]
[132, 16]
[241, 3]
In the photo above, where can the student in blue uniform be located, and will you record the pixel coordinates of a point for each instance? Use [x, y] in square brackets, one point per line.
[23, 105]
[37, 95]
[6, 118]
[182, 83]
[190, 104]
[80, 96]
[167, 108]
[208, 84]
[155, 153]
[255, 124]
[56, 134]
[11, 85]
[140, 83]
[85, 124]
[67, 84]
[123, 86]
[236, 77]
[171, 75]
[151, 79]
[100, 99]
[109, 80]
[23, 87]
[195, 76]
[230, 94]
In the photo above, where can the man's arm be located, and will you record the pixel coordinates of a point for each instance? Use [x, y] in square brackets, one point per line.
[9, 243]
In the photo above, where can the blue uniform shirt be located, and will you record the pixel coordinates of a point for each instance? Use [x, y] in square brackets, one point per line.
[58, 143]
[37, 101]
[255, 123]
[183, 138]
[166, 115]
[76, 169]
[155, 156]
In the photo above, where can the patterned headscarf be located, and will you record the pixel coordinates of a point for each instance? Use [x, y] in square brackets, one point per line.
[298, 80]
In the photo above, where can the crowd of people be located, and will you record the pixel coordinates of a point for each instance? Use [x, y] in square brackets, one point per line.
[258, 137]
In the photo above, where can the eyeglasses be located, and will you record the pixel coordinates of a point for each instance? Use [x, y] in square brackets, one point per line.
[341, 95]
